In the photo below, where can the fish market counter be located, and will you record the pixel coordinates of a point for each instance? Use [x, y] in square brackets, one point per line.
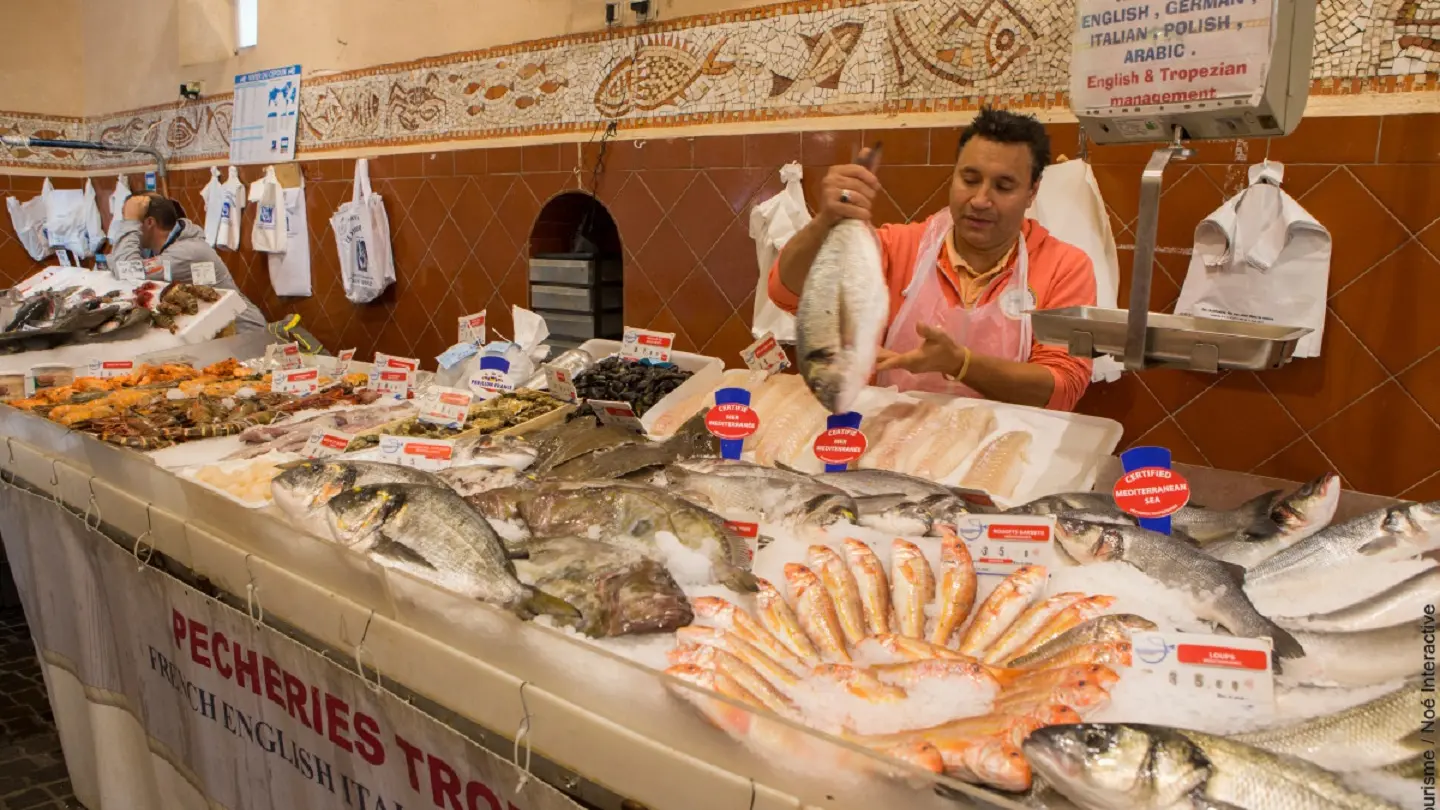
[137, 584]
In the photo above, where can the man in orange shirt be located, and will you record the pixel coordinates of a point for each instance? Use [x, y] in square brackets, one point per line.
[962, 282]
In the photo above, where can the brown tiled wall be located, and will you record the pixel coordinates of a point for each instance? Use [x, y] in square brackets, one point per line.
[1368, 408]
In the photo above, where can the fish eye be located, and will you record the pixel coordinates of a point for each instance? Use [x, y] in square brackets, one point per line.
[1096, 739]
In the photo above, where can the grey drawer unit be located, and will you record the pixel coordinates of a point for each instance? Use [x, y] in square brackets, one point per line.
[570, 268]
[553, 297]
[583, 326]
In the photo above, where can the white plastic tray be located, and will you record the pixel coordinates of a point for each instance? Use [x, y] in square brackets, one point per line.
[667, 415]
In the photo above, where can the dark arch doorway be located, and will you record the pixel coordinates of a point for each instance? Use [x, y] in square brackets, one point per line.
[576, 270]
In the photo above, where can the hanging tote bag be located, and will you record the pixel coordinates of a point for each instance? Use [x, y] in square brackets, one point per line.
[268, 232]
[362, 235]
[290, 271]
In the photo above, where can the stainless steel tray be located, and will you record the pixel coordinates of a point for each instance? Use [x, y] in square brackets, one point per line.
[1203, 344]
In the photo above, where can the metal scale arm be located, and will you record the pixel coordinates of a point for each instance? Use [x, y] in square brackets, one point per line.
[1143, 271]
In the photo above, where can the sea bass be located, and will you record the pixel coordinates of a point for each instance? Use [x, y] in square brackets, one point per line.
[775, 495]
[1100, 766]
[647, 519]
[1376, 734]
[843, 311]
[432, 534]
[1362, 657]
[1395, 529]
[303, 490]
[1405, 600]
[617, 592]
[1299, 515]
[1251, 519]
[1213, 589]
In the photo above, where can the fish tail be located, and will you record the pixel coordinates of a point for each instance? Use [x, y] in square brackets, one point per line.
[1286, 645]
[739, 580]
[539, 603]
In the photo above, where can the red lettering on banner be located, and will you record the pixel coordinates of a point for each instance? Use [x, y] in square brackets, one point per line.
[315, 711]
[369, 733]
[177, 625]
[444, 783]
[294, 698]
[247, 664]
[199, 641]
[273, 682]
[479, 790]
[221, 667]
[413, 756]
[337, 721]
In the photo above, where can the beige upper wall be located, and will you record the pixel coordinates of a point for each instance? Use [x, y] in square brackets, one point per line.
[136, 54]
[41, 67]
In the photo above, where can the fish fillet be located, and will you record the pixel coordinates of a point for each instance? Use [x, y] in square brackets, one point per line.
[901, 437]
[842, 315]
[958, 432]
[999, 466]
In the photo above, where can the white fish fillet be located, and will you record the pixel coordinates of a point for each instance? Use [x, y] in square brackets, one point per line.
[842, 315]
[998, 468]
[785, 431]
[958, 431]
[899, 438]
[775, 399]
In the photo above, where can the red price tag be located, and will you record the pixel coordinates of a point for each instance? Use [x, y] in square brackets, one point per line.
[732, 421]
[1032, 534]
[1152, 492]
[1227, 657]
[840, 445]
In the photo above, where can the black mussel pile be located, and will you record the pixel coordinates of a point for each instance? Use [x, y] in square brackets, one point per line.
[640, 383]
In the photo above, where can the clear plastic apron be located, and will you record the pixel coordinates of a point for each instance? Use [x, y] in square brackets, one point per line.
[1000, 328]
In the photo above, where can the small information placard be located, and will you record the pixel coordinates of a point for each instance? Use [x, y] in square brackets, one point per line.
[105, 369]
[158, 269]
[1151, 492]
[300, 381]
[472, 328]
[643, 344]
[765, 354]
[732, 420]
[561, 385]
[445, 406]
[203, 274]
[287, 355]
[1000, 544]
[493, 376]
[130, 270]
[392, 382]
[619, 414]
[1220, 676]
[422, 454]
[342, 362]
[326, 442]
[840, 445]
[389, 363]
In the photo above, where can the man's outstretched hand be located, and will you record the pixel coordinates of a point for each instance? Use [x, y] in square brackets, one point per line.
[938, 353]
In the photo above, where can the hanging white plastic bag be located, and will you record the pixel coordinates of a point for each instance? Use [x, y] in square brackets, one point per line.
[1262, 259]
[117, 206]
[232, 205]
[772, 223]
[1069, 205]
[29, 221]
[72, 219]
[290, 271]
[268, 232]
[212, 196]
[362, 234]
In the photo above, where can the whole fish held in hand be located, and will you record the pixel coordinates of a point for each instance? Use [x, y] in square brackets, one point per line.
[1392, 605]
[1111, 628]
[431, 533]
[912, 587]
[816, 612]
[1101, 766]
[957, 588]
[776, 616]
[842, 313]
[1002, 607]
[870, 578]
[844, 591]
[1214, 589]
[1395, 530]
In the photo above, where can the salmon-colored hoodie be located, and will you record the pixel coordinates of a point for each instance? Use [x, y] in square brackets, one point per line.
[1061, 275]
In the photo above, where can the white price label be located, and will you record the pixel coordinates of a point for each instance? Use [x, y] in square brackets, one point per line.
[422, 454]
[472, 328]
[1222, 676]
[385, 363]
[1000, 544]
[618, 414]
[105, 369]
[643, 344]
[130, 270]
[63, 256]
[324, 443]
[560, 384]
[301, 381]
[445, 406]
[158, 268]
[765, 354]
[342, 362]
[287, 355]
[203, 274]
[391, 382]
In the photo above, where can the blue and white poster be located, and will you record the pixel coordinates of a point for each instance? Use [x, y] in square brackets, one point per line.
[266, 114]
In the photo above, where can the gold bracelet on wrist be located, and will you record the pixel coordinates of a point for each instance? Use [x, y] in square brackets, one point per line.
[964, 367]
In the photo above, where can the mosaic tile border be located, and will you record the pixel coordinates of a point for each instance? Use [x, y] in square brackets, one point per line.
[814, 59]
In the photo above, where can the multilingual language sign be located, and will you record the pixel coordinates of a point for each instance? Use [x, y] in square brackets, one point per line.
[1145, 53]
[265, 114]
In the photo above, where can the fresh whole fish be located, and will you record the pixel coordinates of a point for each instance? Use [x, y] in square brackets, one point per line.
[1405, 600]
[718, 660]
[727, 616]
[1112, 654]
[998, 467]
[860, 483]
[1403, 529]
[843, 590]
[1253, 519]
[1071, 617]
[475, 479]
[1214, 589]
[816, 612]
[1361, 657]
[912, 587]
[729, 717]
[1102, 766]
[873, 585]
[1028, 624]
[842, 314]
[432, 534]
[1299, 515]
[494, 450]
[617, 592]
[775, 495]
[621, 513]
[1376, 734]
[1111, 628]
[776, 616]
[932, 515]
[631, 460]
[305, 487]
[584, 434]
[957, 588]
[773, 671]
[1002, 607]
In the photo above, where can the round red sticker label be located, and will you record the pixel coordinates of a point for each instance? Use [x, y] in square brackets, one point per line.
[732, 421]
[840, 445]
[1152, 492]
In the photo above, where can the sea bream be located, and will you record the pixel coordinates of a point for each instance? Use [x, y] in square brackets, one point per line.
[305, 487]
[1402, 530]
[843, 311]
[431, 533]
